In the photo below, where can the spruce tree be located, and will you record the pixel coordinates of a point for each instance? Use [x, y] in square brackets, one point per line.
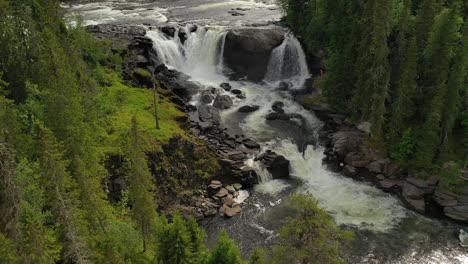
[339, 83]
[404, 74]
[372, 67]
[63, 198]
[225, 252]
[38, 240]
[141, 187]
[438, 55]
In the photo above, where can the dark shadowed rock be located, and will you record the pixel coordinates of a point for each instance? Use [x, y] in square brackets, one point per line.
[206, 97]
[277, 107]
[168, 30]
[276, 164]
[248, 108]
[247, 51]
[226, 86]
[236, 91]
[250, 143]
[209, 114]
[357, 159]
[222, 102]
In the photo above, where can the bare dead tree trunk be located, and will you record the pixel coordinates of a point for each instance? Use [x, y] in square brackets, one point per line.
[155, 87]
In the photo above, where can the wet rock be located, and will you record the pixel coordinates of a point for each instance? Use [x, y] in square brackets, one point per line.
[222, 193]
[231, 189]
[418, 205]
[209, 115]
[241, 96]
[248, 108]
[206, 97]
[168, 31]
[277, 116]
[248, 177]
[457, 212]
[247, 51]
[223, 102]
[237, 186]
[226, 86]
[251, 144]
[380, 177]
[349, 170]
[277, 107]
[236, 91]
[190, 108]
[347, 141]
[215, 187]
[377, 166]
[283, 86]
[387, 184]
[235, 13]
[412, 192]
[176, 81]
[232, 211]
[445, 198]
[209, 212]
[276, 164]
[357, 159]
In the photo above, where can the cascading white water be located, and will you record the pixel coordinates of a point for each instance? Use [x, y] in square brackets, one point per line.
[200, 56]
[350, 202]
[288, 63]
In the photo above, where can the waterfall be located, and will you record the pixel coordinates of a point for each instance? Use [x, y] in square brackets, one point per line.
[288, 63]
[200, 56]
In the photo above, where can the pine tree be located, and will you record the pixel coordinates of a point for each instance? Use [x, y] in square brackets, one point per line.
[372, 67]
[438, 58]
[141, 187]
[180, 247]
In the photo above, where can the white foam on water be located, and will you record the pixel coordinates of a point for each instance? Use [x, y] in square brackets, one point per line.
[288, 64]
[348, 201]
[199, 56]
[114, 11]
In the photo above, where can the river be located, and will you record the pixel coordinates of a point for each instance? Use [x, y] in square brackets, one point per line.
[386, 232]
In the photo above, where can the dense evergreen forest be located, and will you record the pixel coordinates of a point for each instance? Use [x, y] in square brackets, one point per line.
[64, 112]
[400, 65]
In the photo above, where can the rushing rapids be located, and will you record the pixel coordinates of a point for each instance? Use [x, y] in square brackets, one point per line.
[386, 232]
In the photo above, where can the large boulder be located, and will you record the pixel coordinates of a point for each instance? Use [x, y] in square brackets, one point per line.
[176, 81]
[209, 116]
[248, 108]
[223, 102]
[247, 51]
[276, 164]
[206, 97]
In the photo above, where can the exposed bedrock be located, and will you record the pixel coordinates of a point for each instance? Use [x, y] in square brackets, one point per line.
[247, 51]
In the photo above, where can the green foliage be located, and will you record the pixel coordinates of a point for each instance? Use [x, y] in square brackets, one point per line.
[8, 252]
[310, 235]
[141, 187]
[406, 147]
[225, 252]
[399, 64]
